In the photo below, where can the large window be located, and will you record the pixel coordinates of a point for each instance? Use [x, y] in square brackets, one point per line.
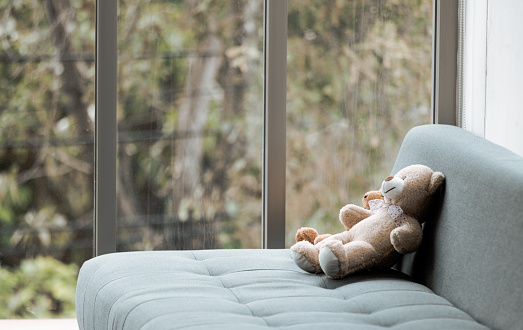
[191, 111]
[46, 154]
[190, 123]
[359, 77]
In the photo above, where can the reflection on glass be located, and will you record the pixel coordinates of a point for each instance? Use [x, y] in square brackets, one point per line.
[46, 154]
[190, 119]
[358, 79]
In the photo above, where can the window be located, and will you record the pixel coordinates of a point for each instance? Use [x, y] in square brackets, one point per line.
[190, 123]
[192, 142]
[359, 77]
[46, 154]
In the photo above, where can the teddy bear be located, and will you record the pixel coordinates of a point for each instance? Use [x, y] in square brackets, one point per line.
[369, 196]
[376, 238]
[311, 235]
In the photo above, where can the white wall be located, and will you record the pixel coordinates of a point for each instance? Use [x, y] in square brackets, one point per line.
[493, 71]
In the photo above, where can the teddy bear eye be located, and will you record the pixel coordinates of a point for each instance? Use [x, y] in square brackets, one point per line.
[404, 178]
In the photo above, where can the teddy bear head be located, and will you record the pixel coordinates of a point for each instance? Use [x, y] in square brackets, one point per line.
[369, 196]
[412, 188]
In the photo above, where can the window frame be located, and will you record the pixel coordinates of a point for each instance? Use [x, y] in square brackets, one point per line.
[443, 106]
[445, 27]
[105, 140]
[275, 99]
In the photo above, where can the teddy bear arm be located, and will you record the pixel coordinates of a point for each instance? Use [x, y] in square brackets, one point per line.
[406, 238]
[351, 214]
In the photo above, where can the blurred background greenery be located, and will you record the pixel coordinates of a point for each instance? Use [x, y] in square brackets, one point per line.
[190, 120]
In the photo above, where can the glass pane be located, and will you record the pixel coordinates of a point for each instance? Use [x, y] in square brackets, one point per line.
[46, 154]
[190, 118]
[358, 79]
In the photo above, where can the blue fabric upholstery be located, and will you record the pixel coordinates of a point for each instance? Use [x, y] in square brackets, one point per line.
[249, 289]
[472, 250]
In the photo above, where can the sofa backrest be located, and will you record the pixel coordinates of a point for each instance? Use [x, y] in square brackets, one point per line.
[472, 250]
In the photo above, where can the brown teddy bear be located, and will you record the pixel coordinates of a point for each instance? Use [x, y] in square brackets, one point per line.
[369, 196]
[376, 238]
[311, 235]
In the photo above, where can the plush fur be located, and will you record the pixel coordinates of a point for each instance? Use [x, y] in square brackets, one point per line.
[375, 238]
[311, 235]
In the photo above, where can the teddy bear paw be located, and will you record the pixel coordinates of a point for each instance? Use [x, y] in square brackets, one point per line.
[302, 262]
[329, 262]
[305, 256]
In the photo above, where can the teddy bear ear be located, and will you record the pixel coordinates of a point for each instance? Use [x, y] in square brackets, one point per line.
[435, 182]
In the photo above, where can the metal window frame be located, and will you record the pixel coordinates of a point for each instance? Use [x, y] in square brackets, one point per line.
[106, 60]
[274, 133]
[443, 105]
[444, 61]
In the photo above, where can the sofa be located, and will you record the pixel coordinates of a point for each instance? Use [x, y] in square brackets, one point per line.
[467, 274]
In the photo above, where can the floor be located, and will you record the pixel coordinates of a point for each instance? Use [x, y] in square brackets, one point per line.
[56, 324]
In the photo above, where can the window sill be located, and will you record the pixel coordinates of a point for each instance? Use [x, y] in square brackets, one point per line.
[39, 324]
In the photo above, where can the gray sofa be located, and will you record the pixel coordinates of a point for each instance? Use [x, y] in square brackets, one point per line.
[467, 274]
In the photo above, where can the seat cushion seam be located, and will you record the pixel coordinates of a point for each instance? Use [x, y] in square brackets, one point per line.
[223, 285]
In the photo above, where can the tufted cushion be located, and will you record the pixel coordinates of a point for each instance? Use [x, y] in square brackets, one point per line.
[249, 289]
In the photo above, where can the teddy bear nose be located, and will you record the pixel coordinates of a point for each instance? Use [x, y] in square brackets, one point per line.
[387, 179]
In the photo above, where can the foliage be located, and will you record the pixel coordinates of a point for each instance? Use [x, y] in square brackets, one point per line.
[46, 150]
[38, 288]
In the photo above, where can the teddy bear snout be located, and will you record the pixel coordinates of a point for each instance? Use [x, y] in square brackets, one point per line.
[392, 187]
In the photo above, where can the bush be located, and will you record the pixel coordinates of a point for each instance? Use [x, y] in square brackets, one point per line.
[40, 288]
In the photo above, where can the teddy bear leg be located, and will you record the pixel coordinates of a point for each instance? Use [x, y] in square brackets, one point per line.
[337, 260]
[305, 256]
[332, 258]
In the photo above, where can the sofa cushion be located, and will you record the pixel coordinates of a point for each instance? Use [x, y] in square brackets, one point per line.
[471, 252]
[249, 289]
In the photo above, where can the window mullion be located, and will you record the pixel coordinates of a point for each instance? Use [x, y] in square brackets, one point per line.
[444, 61]
[275, 97]
[105, 128]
